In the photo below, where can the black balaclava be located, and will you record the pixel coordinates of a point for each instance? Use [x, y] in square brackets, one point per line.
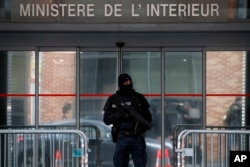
[123, 78]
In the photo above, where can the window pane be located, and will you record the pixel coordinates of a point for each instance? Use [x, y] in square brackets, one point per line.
[183, 75]
[98, 76]
[20, 87]
[242, 11]
[145, 70]
[183, 72]
[182, 111]
[5, 7]
[224, 78]
[57, 86]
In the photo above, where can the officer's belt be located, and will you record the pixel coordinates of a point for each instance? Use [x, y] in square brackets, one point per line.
[128, 133]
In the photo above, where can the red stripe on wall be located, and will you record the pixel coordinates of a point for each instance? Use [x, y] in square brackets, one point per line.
[106, 94]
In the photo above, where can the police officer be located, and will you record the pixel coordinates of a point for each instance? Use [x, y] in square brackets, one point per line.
[130, 138]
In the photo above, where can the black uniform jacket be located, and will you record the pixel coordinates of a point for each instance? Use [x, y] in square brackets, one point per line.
[117, 115]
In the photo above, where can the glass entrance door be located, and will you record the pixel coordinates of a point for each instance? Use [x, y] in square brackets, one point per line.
[170, 80]
[53, 75]
[181, 75]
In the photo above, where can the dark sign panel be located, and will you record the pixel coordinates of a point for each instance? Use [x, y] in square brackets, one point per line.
[119, 11]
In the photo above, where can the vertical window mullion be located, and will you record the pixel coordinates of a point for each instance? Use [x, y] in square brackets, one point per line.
[204, 92]
[77, 88]
[37, 58]
[162, 104]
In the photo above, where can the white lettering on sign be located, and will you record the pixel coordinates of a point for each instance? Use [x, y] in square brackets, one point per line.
[54, 10]
[133, 6]
[183, 10]
[240, 158]
[114, 10]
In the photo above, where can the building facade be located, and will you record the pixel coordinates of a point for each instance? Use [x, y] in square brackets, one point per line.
[60, 59]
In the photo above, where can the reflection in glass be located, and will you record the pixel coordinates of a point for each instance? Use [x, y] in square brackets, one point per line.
[98, 76]
[21, 80]
[183, 75]
[182, 112]
[56, 109]
[145, 69]
[183, 72]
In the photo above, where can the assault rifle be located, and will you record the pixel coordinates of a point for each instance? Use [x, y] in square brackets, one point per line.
[137, 117]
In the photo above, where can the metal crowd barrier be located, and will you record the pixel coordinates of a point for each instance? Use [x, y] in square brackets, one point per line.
[43, 148]
[94, 135]
[210, 148]
[94, 141]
